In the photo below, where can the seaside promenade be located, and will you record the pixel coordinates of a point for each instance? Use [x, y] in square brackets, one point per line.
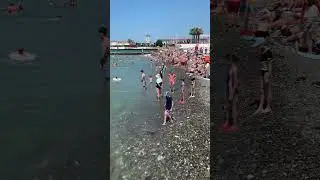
[280, 145]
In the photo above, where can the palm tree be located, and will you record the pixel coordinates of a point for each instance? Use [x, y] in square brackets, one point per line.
[195, 32]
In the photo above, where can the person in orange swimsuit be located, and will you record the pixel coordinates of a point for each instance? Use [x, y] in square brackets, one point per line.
[172, 80]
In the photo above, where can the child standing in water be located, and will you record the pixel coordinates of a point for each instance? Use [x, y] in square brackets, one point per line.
[182, 92]
[193, 87]
[150, 79]
[232, 94]
[172, 80]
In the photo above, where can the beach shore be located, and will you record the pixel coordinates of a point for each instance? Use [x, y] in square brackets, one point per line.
[178, 150]
[280, 145]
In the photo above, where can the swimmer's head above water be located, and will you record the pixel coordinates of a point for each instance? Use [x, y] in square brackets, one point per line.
[21, 51]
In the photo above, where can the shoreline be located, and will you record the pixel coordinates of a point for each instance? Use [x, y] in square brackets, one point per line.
[183, 143]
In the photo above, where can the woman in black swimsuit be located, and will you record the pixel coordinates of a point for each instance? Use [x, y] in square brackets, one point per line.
[232, 93]
[265, 85]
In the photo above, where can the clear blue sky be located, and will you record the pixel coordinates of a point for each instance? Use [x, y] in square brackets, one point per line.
[159, 18]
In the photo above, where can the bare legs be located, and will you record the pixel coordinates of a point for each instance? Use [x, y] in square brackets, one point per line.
[265, 95]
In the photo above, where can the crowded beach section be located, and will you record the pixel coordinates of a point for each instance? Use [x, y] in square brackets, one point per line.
[194, 59]
[292, 23]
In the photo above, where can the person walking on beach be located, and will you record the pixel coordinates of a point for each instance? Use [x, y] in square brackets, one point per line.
[168, 109]
[182, 91]
[232, 94]
[143, 80]
[172, 80]
[265, 85]
[158, 86]
[193, 87]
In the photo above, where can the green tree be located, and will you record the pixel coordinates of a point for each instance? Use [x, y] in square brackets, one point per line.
[159, 43]
[195, 32]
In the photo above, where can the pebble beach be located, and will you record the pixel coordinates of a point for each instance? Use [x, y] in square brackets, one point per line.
[280, 145]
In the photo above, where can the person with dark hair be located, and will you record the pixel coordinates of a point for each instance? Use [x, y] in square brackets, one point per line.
[104, 45]
[232, 93]
[143, 80]
[193, 87]
[265, 85]
[168, 109]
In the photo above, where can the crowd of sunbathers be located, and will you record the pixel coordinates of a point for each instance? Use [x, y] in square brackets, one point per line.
[194, 60]
[293, 22]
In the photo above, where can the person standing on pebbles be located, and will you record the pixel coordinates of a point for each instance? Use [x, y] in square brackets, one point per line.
[232, 93]
[265, 76]
[182, 91]
[168, 109]
[193, 87]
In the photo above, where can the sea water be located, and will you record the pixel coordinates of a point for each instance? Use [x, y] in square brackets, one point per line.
[52, 109]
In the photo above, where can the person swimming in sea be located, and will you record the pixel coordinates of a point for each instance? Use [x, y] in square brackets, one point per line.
[22, 55]
[232, 93]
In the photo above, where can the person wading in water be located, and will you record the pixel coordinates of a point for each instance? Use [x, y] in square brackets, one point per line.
[105, 49]
[232, 93]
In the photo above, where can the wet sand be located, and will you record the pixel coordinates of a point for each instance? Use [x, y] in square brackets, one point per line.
[178, 150]
[281, 145]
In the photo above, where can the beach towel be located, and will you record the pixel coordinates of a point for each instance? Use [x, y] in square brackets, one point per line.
[259, 41]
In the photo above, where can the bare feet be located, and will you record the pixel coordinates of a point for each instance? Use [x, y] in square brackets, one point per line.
[267, 110]
[258, 111]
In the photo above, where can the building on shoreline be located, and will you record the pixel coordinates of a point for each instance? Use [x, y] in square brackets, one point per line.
[204, 39]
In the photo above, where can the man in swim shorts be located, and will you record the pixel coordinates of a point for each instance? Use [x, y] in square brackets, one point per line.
[172, 80]
[265, 85]
[143, 80]
[168, 109]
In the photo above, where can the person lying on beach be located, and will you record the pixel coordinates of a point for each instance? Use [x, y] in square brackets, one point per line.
[193, 87]
[232, 93]
[168, 109]
[265, 85]
[182, 91]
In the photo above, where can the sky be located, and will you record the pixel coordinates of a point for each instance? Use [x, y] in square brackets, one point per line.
[160, 18]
